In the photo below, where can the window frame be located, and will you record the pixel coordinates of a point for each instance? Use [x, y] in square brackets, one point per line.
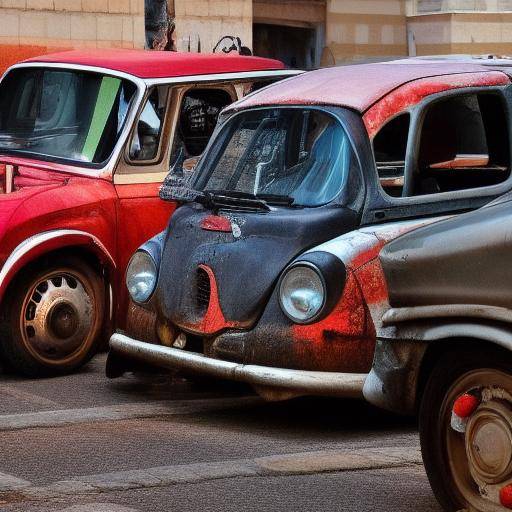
[163, 128]
[175, 95]
[381, 206]
[81, 167]
[341, 197]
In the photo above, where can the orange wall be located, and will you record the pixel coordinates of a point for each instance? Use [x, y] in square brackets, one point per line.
[11, 54]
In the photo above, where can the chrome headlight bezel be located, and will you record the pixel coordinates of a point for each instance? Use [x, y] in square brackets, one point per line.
[283, 300]
[148, 267]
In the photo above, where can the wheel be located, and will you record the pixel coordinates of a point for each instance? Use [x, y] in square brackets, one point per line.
[52, 318]
[468, 457]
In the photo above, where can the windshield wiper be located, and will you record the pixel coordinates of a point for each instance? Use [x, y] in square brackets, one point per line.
[277, 199]
[273, 199]
[217, 201]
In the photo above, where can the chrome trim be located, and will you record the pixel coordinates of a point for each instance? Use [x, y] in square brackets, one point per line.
[9, 178]
[108, 170]
[467, 311]
[222, 77]
[30, 243]
[314, 268]
[349, 385]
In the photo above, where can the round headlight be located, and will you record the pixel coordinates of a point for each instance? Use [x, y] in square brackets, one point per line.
[302, 293]
[141, 276]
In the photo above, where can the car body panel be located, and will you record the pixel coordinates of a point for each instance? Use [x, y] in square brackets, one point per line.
[343, 340]
[447, 283]
[52, 206]
[359, 87]
[156, 64]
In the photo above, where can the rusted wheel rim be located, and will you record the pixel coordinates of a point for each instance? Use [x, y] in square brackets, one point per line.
[480, 460]
[57, 317]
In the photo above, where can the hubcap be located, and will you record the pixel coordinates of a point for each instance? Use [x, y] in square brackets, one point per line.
[489, 442]
[57, 317]
[480, 459]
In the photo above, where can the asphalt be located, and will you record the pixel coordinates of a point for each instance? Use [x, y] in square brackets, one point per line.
[158, 442]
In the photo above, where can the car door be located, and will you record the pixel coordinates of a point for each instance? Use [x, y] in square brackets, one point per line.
[449, 154]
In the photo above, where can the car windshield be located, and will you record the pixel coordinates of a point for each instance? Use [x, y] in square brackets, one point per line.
[62, 114]
[294, 154]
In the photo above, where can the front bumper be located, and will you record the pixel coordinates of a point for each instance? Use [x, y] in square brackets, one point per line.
[292, 382]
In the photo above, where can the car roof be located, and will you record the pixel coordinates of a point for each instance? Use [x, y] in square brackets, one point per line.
[161, 64]
[357, 86]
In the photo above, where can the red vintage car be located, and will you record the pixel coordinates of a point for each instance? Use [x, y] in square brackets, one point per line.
[85, 140]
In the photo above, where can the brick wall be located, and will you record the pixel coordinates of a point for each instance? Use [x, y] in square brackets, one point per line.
[202, 23]
[32, 27]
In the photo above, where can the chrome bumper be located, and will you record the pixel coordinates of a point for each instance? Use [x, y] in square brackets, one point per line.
[300, 382]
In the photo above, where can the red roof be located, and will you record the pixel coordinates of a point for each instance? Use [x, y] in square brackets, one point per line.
[156, 64]
[355, 86]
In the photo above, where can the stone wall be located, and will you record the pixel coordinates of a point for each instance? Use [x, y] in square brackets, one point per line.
[32, 27]
[365, 30]
[471, 33]
[201, 24]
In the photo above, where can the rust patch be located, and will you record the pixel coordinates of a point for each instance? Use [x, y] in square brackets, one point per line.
[8, 497]
[372, 282]
[344, 340]
[141, 323]
[413, 92]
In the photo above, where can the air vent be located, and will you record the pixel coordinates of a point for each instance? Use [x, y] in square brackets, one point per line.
[202, 290]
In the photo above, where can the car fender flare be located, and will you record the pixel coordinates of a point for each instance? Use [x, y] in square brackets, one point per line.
[399, 360]
[38, 245]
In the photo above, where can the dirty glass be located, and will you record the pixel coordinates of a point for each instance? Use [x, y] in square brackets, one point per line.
[147, 134]
[303, 155]
[199, 111]
[61, 114]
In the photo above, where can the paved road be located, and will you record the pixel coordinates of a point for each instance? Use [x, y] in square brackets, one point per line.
[82, 443]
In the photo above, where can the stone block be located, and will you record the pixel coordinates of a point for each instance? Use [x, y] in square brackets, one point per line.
[68, 5]
[119, 6]
[83, 27]
[95, 5]
[109, 28]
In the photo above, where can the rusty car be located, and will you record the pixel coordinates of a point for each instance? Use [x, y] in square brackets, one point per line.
[86, 138]
[268, 271]
[444, 352]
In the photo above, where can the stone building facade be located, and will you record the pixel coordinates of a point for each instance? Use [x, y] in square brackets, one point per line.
[303, 33]
[32, 27]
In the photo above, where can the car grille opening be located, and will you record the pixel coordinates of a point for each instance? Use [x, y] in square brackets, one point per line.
[202, 290]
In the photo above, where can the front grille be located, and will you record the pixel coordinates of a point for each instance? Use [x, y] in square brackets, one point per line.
[202, 291]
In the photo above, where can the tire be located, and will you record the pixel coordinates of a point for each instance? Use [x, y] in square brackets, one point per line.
[445, 452]
[52, 318]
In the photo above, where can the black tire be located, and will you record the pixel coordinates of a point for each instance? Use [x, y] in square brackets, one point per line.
[15, 348]
[434, 404]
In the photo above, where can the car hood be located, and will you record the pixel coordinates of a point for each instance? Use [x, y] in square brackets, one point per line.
[212, 280]
[23, 185]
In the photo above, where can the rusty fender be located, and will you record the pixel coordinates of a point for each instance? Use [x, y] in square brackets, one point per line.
[300, 382]
[393, 380]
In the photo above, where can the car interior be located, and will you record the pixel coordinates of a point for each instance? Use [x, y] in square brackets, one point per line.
[463, 144]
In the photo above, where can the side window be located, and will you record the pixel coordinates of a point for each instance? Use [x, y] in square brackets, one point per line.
[198, 115]
[390, 146]
[464, 144]
[148, 131]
